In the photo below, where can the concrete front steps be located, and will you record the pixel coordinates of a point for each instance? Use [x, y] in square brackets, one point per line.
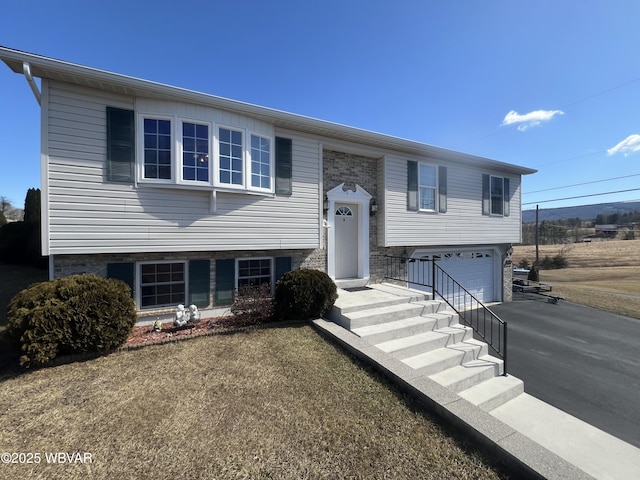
[428, 337]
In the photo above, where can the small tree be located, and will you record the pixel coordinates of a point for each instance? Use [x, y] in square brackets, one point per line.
[32, 205]
[559, 261]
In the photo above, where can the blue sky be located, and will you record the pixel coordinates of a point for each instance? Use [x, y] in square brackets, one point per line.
[549, 85]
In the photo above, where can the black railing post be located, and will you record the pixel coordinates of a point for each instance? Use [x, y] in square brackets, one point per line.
[433, 279]
[504, 351]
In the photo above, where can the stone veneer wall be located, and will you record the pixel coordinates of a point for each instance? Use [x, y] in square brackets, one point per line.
[339, 167]
[65, 265]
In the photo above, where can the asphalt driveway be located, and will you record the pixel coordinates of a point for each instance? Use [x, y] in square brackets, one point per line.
[578, 359]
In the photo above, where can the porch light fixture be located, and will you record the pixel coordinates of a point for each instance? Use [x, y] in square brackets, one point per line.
[374, 207]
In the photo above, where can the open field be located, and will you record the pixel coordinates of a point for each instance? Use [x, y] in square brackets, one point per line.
[612, 253]
[270, 403]
[604, 275]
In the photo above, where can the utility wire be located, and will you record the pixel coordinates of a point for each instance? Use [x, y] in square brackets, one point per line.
[585, 183]
[582, 196]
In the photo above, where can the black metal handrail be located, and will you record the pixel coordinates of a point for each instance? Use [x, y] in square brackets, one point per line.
[471, 311]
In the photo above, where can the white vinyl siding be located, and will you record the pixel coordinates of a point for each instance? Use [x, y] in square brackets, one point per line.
[87, 214]
[463, 224]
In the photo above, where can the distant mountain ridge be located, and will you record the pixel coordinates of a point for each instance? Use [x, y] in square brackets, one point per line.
[584, 212]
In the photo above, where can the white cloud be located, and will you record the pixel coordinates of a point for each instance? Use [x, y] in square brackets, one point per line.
[530, 119]
[628, 145]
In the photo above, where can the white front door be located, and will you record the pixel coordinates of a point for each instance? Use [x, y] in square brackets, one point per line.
[346, 231]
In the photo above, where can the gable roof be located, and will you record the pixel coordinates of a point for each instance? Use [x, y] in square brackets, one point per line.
[45, 67]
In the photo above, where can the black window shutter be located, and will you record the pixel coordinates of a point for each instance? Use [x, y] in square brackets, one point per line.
[284, 166]
[121, 144]
[122, 271]
[199, 282]
[442, 189]
[283, 265]
[486, 194]
[225, 281]
[412, 185]
[507, 196]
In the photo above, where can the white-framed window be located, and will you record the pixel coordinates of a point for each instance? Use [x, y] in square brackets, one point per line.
[161, 284]
[254, 272]
[427, 187]
[157, 148]
[196, 151]
[261, 162]
[497, 195]
[182, 151]
[230, 157]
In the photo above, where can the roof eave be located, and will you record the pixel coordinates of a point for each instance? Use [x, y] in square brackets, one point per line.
[44, 67]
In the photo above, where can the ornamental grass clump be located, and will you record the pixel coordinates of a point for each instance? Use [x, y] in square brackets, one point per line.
[303, 294]
[69, 315]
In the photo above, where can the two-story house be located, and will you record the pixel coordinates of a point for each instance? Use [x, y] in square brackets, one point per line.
[188, 196]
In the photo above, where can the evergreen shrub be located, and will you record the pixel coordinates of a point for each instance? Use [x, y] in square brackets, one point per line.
[75, 314]
[303, 294]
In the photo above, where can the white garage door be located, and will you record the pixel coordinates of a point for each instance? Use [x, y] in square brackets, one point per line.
[473, 269]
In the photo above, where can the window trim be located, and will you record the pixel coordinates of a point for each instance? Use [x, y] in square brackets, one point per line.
[216, 139]
[271, 268]
[491, 196]
[140, 149]
[180, 148]
[249, 163]
[138, 283]
[436, 188]
[487, 197]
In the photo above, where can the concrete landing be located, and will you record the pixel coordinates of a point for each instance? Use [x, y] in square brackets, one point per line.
[600, 454]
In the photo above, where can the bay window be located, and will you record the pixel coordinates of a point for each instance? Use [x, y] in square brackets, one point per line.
[179, 151]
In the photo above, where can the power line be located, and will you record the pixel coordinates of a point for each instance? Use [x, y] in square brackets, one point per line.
[572, 158]
[602, 92]
[579, 184]
[582, 196]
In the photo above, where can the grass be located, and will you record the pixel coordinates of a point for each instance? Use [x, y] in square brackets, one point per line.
[612, 289]
[611, 253]
[603, 275]
[270, 403]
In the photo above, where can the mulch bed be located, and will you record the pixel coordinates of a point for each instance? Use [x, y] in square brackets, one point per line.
[145, 335]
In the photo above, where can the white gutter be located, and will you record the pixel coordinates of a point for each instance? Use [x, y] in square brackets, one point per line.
[26, 68]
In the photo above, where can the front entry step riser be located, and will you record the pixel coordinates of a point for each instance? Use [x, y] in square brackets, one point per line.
[415, 345]
[480, 375]
[408, 327]
[379, 316]
[443, 359]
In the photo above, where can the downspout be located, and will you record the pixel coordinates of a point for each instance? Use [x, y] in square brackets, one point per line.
[26, 68]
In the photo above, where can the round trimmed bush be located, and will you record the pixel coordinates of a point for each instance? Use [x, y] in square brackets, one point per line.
[75, 314]
[303, 294]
